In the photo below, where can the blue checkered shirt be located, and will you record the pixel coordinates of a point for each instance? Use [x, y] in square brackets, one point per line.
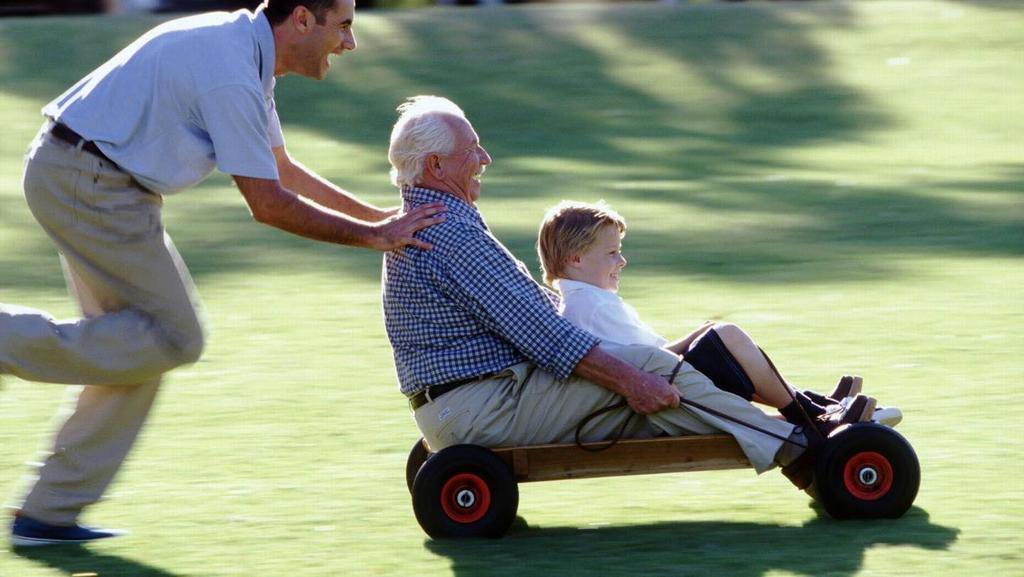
[468, 307]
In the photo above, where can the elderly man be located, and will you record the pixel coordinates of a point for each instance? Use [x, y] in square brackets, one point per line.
[190, 95]
[482, 354]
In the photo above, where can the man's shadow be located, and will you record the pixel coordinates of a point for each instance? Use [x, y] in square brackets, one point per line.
[821, 546]
[79, 559]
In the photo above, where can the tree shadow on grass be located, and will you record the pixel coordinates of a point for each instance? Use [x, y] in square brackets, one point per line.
[997, 5]
[545, 83]
[80, 559]
[821, 546]
[785, 235]
[548, 94]
[539, 82]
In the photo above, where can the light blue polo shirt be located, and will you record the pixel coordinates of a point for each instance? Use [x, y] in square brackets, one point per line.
[189, 95]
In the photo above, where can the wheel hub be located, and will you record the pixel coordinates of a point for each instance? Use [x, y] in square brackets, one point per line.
[465, 498]
[868, 475]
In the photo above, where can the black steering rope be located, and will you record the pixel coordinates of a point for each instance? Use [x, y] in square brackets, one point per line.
[593, 448]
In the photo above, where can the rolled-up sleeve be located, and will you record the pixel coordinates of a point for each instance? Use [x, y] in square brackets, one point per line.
[487, 279]
[274, 125]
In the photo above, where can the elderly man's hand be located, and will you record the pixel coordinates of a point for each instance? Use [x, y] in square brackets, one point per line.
[398, 230]
[651, 393]
[646, 393]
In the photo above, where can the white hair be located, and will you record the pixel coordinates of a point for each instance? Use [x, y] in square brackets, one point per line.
[421, 129]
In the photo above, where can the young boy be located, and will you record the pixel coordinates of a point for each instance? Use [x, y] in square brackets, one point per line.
[580, 249]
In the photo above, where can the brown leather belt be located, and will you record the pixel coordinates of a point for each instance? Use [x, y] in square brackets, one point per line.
[432, 392]
[63, 132]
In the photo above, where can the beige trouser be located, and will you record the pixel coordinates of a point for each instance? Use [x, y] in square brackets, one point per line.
[141, 320]
[525, 405]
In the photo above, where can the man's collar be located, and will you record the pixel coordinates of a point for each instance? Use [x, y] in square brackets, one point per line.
[456, 206]
[267, 50]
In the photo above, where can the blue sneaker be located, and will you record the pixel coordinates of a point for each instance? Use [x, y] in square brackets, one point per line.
[27, 532]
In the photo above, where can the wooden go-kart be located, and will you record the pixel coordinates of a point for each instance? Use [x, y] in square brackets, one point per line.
[863, 470]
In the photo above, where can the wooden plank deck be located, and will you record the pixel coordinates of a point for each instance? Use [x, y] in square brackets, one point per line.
[627, 457]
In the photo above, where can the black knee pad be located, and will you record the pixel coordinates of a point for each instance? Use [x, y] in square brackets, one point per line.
[711, 357]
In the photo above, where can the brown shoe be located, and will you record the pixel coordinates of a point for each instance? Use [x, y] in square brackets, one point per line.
[848, 386]
[852, 410]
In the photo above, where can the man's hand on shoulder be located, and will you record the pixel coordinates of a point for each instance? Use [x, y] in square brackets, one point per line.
[398, 230]
[274, 205]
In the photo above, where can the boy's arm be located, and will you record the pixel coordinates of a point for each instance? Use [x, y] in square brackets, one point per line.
[682, 345]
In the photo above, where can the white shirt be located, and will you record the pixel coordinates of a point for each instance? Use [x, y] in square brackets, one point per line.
[603, 314]
[189, 95]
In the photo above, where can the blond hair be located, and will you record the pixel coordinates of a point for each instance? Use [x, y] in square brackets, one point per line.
[570, 228]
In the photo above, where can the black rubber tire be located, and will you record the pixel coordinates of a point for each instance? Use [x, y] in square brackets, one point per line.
[866, 471]
[465, 491]
[417, 456]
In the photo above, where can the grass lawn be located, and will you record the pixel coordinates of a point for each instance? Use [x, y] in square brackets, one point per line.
[845, 180]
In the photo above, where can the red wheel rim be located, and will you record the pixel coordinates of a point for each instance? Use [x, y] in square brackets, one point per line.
[465, 498]
[868, 476]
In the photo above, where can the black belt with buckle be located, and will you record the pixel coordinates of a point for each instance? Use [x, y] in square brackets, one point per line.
[432, 392]
[63, 132]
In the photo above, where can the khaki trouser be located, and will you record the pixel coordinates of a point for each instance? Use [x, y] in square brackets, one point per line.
[141, 320]
[525, 405]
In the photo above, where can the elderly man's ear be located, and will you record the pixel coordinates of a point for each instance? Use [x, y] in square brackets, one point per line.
[433, 164]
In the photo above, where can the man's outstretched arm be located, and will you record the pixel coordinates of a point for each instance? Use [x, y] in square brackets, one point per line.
[271, 203]
[299, 179]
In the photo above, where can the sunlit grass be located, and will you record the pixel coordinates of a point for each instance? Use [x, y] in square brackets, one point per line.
[844, 180]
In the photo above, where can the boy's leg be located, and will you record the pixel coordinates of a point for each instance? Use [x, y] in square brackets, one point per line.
[760, 449]
[767, 385]
[735, 363]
